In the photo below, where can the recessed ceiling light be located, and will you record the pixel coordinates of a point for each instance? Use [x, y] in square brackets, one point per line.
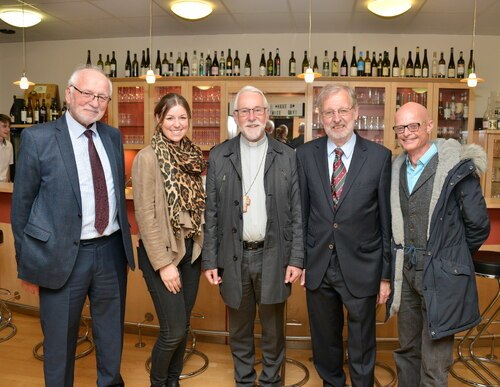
[20, 18]
[192, 10]
[389, 8]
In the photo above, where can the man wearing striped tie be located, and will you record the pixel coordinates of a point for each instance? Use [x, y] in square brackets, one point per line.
[344, 182]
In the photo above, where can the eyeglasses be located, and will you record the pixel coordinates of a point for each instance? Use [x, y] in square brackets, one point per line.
[257, 111]
[89, 97]
[342, 112]
[413, 127]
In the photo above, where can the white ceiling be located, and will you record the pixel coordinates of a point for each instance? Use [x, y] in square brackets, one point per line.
[93, 19]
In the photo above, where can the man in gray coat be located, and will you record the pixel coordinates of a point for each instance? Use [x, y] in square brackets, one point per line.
[253, 244]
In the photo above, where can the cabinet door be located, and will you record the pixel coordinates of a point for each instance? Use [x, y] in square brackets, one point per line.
[493, 180]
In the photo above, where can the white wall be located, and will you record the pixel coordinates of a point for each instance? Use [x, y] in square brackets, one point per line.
[53, 61]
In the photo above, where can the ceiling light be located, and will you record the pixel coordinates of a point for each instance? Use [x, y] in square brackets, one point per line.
[389, 8]
[21, 18]
[472, 80]
[309, 74]
[150, 75]
[23, 83]
[192, 10]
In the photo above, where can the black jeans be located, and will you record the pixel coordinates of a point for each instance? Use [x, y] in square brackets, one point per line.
[173, 311]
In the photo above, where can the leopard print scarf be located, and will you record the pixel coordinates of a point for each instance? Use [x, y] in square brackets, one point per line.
[181, 166]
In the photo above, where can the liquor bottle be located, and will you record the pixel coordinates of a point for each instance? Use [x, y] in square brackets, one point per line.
[292, 66]
[409, 66]
[442, 67]
[36, 112]
[326, 65]
[335, 65]
[471, 67]
[185, 65]
[107, 66]
[417, 72]
[135, 67]
[451, 65]
[374, 65]
[315, 65]
[158, 63]
[222, 64]
[440, 106]
[386, 65]
[305, 62]
[277, 64]
[201, 66]
[262, 64]
[425, 65]
[270, 65]
[143, 69]
[344, 70]
[248, 66]
[435, 66]
[402, 68]
[395, 64]
[214, 70]
[128, 65]
[461, 66]
[54, 111]
[380, 65]
[208, 64]
[29, 112]
[368, 65]
[453, 106]
[24, 113]
[486, 116]
[353, 68]
[178, 65]
[361, 65]
[466, 107]
[229, 63]
[100, 63]
[113, 65]
[89, 62]
[236, 65]
[43, 112]
[171, 64]
[194, 64]
[164, 65]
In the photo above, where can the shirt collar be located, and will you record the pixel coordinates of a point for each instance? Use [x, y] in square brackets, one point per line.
[75, 128]
[347, 148]
[424, 160]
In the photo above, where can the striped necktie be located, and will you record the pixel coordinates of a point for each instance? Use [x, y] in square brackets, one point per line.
[338, 176]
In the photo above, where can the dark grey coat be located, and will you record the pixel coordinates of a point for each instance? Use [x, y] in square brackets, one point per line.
[223, 246]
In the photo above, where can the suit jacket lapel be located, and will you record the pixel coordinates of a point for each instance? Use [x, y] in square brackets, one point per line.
[234, 155]
[321, 158]
[67, 154]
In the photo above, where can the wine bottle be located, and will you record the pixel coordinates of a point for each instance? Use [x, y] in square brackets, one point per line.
[135, 66]
[360, 65]
[24, 113]
[402, 68]
[208, 65]
[178, 65]
[409, 66]
[461, 66]
[36, 112]
[54, 111]
[148, 61]
[229, 63]
[29, 112]
[451, 65]
[171, 64]
[417, 72]
[262, 64]
[353, 69]
[343, 66]
[248, 66]
[305, 62]
[471, 67]
[326, 65]
[107, 66]
[368, 65]
[435, 66]
[214, 70]
[270, 65]
[64, 108]
[380, 65]
[143, 69]
[158, 63]
[277, 64]
[89, 62]
[386, 65]
[164, 65]
[236, 65]
[335, 65]
[201, 66]
[292, 66]
[100, 63]
[315, 65]
[374, 65]
[425, 65]
[185, 65]
[43, 112]
[128, 65]
[222, 64]
[194, 64]
[113, 65]
[395, 64]
[442, 67]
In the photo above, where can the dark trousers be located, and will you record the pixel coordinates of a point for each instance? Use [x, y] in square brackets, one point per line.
[420, 361]
[173, 311]
[100, 273]
[241, 328]
[326, 317]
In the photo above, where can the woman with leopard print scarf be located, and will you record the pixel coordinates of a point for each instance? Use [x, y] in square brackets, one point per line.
[169, 200]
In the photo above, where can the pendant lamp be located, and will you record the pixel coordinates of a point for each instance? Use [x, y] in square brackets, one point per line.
[309, 75]
[150, 76]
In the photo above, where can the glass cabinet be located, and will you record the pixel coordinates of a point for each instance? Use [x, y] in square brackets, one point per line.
[490, 141]
[207, 112]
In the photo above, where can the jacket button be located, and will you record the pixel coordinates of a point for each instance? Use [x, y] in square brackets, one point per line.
[241, 216]
[331, 246]
[80, 216]
[335, 225]
[235, 258]
[236, 202]
[234, 231]
[75, 243]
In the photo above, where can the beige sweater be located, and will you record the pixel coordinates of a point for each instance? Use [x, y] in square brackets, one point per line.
[151, 214]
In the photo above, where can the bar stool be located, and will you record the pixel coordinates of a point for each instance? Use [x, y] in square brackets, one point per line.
[6, 323]
[486, 264]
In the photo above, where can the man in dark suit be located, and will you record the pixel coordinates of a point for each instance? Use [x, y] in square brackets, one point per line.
[344, 182]
[71, 231]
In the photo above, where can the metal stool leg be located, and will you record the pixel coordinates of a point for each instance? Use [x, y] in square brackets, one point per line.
[6, 323]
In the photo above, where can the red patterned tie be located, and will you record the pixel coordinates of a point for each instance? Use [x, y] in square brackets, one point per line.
[338, 176]
[100, 189]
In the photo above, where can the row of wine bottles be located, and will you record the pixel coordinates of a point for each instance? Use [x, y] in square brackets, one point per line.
[40, 112]
[364, 65]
